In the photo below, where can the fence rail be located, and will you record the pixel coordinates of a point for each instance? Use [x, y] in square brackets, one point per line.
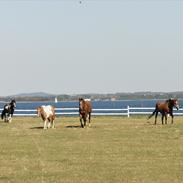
[97, 112]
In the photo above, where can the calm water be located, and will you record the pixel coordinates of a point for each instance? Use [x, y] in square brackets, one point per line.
[95, 104]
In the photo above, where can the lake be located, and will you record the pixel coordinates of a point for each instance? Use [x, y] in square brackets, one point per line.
[122, 104]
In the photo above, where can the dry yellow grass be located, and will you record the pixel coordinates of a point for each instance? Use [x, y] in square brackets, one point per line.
[114, 149]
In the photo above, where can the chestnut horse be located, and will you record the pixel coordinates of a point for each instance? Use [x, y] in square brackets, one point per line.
[165, 108]
[85, 110]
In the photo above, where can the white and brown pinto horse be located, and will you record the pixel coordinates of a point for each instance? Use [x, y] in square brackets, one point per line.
[47, 113]
[85, 110]
[165, 108]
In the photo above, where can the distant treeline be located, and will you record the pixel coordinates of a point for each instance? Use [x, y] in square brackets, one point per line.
[115, 96]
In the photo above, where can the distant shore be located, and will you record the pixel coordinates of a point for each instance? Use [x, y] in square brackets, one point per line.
[41, 96]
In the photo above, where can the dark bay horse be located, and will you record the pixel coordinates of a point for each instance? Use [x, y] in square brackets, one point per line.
[8, 111]
[165, 108]
[85, 110]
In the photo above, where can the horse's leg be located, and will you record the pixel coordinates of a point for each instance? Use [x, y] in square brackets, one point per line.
[162, 117]
[165, 118]
[172, 117]
[53, 121]
[156, 117]
[81, 118]
[89, 119]
[53, 124]
[10, 118]
[49, 123]
[6, 117]
[85, 118]
[45, 122]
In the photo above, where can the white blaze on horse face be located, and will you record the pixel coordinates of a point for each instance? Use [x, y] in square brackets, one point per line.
[81, 105]
[177, 105]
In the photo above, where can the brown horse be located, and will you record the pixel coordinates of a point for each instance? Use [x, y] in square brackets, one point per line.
[165, 108]
[85, 110]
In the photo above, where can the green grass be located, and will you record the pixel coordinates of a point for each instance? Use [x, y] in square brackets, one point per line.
[112, 150]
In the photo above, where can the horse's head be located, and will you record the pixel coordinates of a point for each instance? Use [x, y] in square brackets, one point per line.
[81, 100]
[174, 103]
[13, 103]
[39, 111]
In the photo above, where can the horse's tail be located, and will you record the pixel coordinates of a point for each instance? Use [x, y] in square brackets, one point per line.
[2, 114]
[152, 114]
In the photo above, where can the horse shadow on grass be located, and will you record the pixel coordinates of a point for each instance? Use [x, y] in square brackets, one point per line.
[69, 126]
[36, 128]
[73, 126]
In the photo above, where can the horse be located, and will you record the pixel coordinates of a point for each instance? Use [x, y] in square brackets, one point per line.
[85, 110]
[165, 108]
[47, 113]
[8, 111]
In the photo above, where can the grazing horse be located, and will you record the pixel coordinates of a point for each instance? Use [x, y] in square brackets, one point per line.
[8, 111]
[85, 110]
[47, 113]
[165, 108]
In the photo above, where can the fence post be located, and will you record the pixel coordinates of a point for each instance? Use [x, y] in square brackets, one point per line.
[128, 111]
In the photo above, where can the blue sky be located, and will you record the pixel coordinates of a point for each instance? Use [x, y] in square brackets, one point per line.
[95, 46]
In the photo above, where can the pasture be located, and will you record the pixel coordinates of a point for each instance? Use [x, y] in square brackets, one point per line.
[112, 150]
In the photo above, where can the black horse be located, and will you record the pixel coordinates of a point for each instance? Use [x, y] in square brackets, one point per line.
[8, 111]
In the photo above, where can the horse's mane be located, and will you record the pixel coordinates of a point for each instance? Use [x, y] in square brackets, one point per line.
[171, 103]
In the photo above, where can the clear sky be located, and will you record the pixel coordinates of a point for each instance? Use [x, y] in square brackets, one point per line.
[96, 46]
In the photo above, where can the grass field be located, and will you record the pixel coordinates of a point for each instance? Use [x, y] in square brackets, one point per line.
[112, 150]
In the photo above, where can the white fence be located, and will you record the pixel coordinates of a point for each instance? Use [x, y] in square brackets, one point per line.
[97, 112]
